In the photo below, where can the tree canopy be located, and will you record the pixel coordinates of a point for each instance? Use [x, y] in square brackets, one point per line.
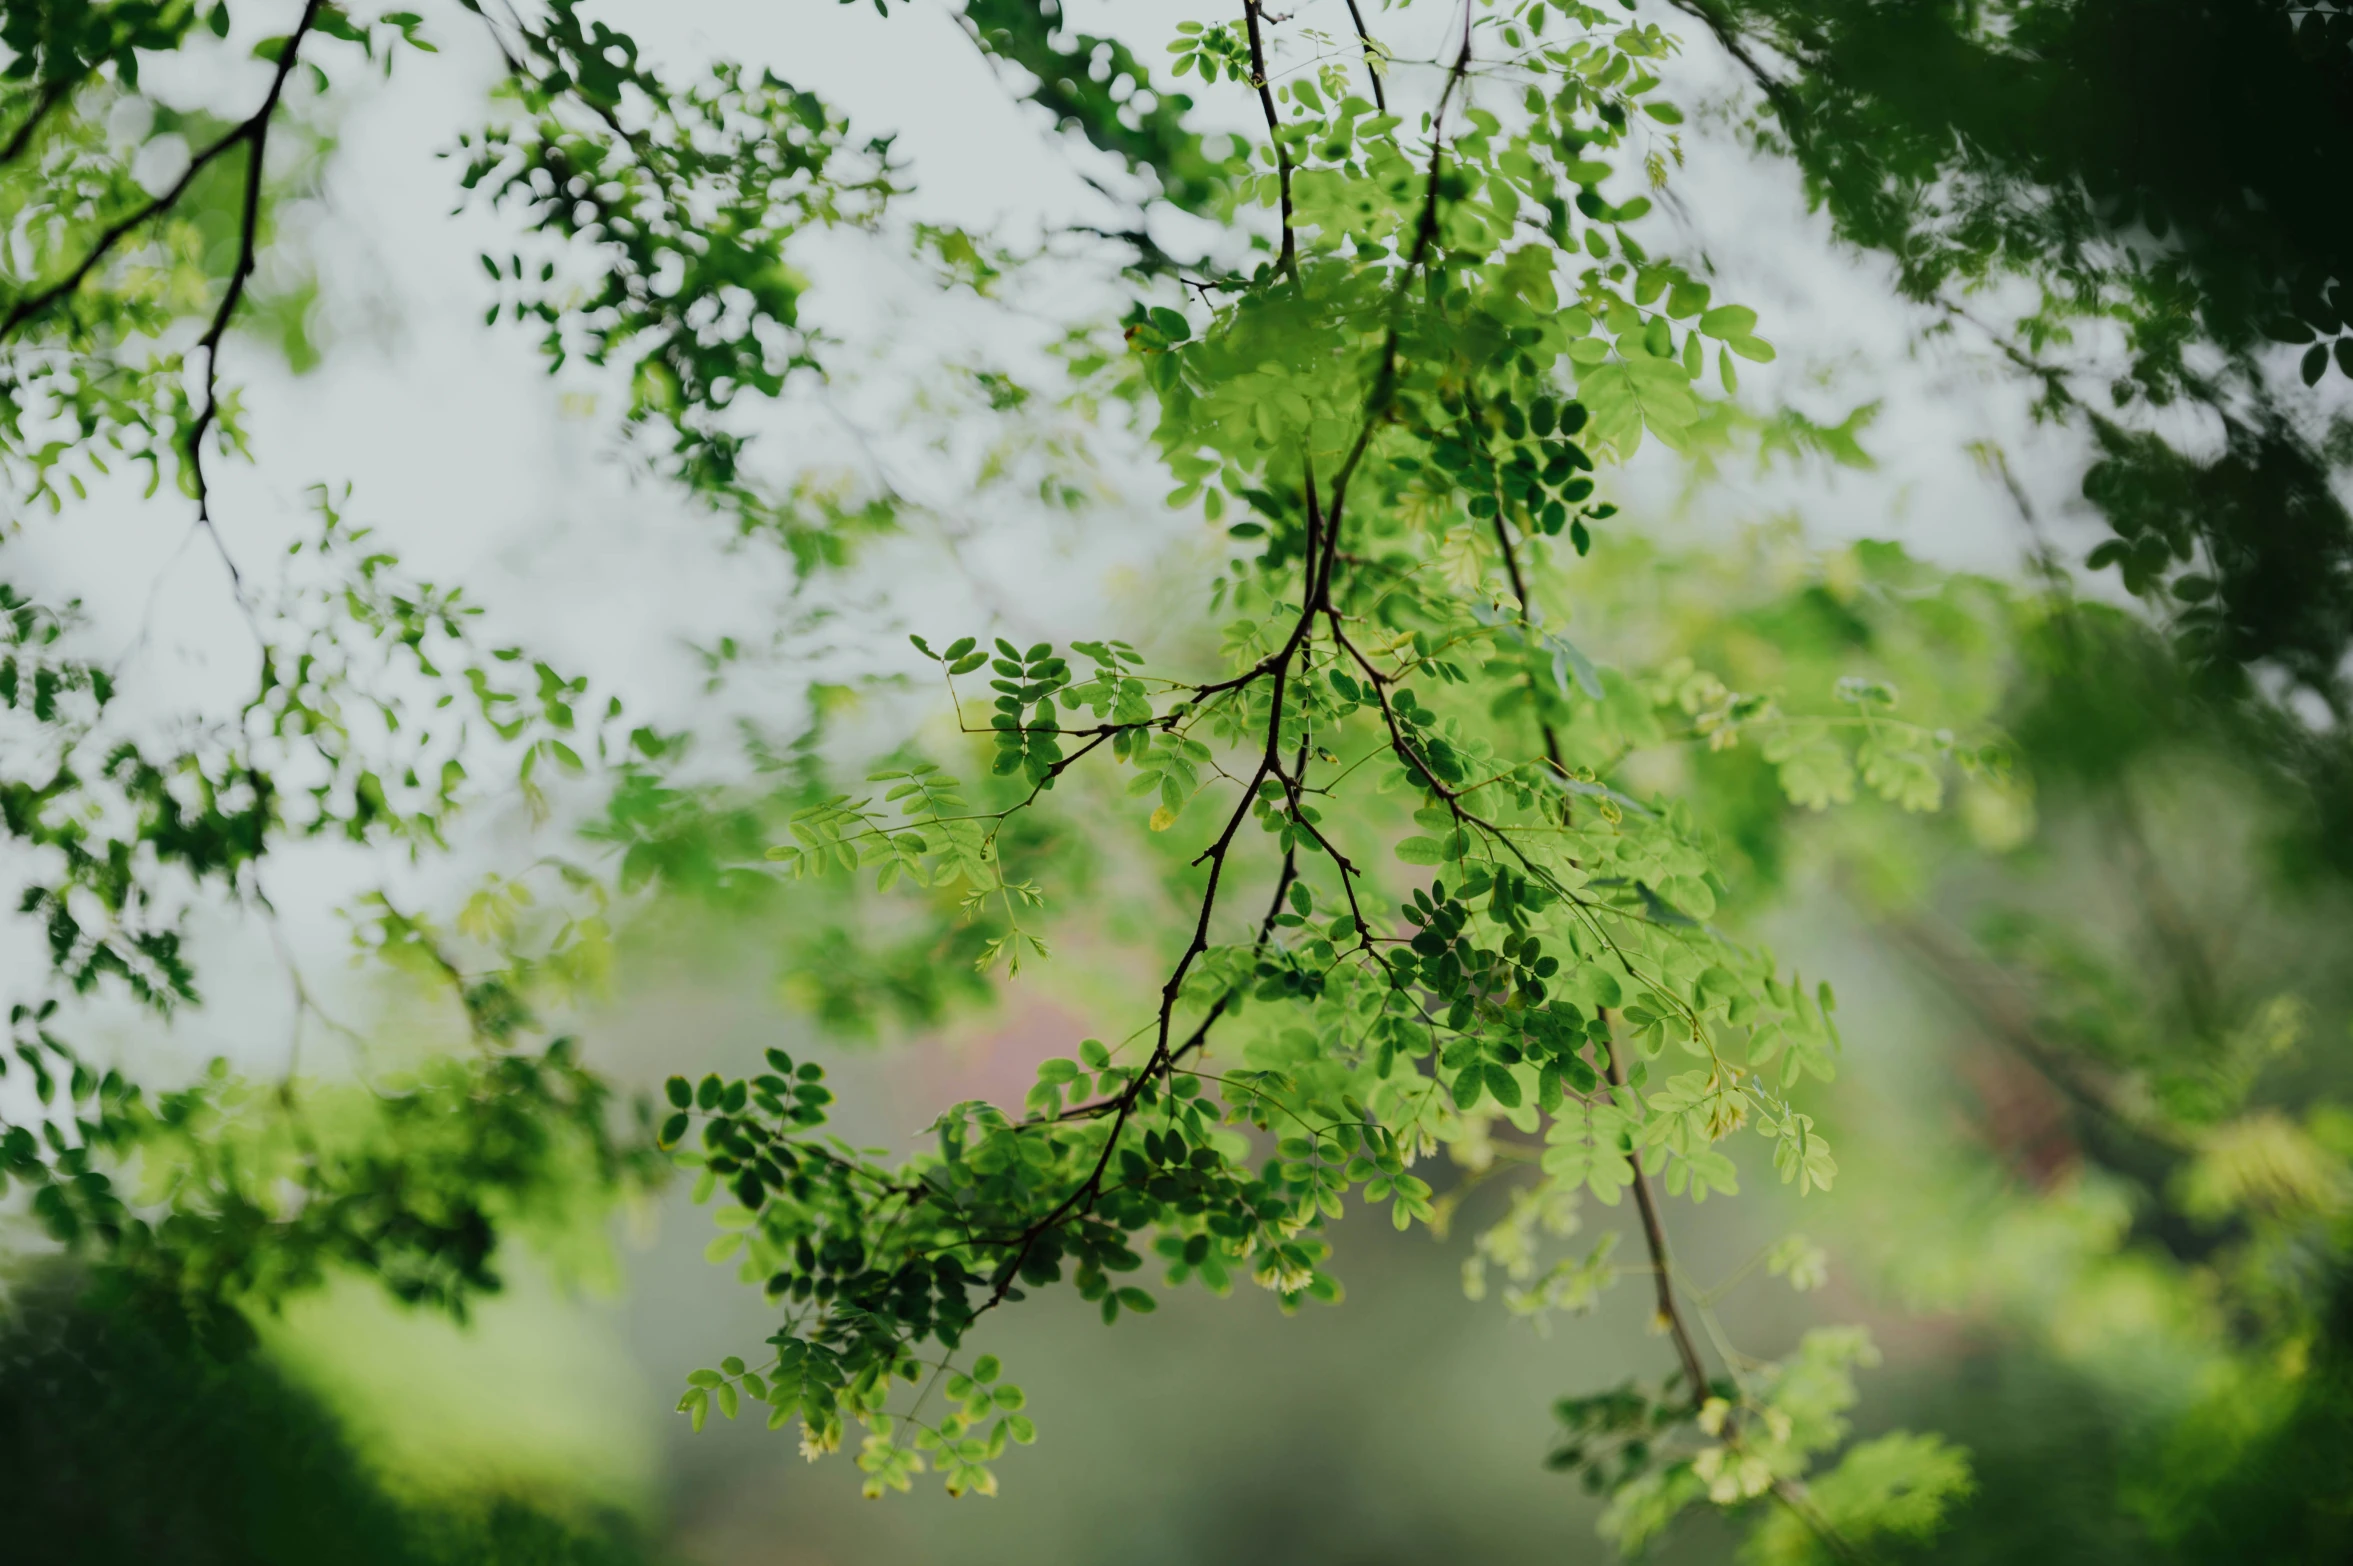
[1430, 839]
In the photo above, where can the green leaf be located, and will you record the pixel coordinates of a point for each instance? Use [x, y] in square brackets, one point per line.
[1502, 1084]
[1726, 322]
[1592, 984]
[1421, 851]
[1567, 659]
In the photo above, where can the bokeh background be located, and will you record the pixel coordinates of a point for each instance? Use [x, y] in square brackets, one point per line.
[2025, 1299]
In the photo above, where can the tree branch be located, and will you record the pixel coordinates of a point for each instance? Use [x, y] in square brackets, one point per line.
[1274, 134]
[1654, 1238]
[33, 305]
[1082, 1197]
[52, 94]
[1372, 67]
[1425, 233]
[256, 133]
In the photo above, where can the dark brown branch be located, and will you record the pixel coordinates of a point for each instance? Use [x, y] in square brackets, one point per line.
[52, 94]
[1425, 233]
[1274, 133]
[1372, 68]
[257, 141]
[1082, 1197]
[1218, 1008]
[33, 305]
[1318, 559]
[1654, 1237]
[251, 133]
[1654, 1228]
[1403, 748]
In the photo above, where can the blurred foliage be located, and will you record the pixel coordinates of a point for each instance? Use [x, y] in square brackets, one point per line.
[2162, 181]
[683, 222]
[1097, 87]
[2166, 167]
[2163, 963]
[143, 1451]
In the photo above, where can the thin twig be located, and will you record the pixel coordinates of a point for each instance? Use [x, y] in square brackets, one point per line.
[1654, 1237]
[1519, 588]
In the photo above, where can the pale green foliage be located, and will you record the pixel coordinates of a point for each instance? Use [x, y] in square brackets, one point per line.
[1387, 402]
[1479, 933]
[1894, 1487]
